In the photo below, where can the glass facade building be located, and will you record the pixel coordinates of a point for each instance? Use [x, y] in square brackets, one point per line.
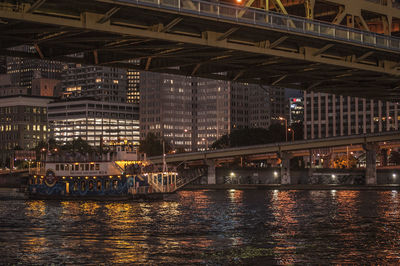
[94, 121]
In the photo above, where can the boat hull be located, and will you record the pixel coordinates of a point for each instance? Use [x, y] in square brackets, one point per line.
[89, 187]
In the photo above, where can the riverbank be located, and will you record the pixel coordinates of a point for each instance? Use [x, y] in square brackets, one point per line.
[293, 187]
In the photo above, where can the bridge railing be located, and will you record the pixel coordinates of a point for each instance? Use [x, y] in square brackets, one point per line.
[275, 20]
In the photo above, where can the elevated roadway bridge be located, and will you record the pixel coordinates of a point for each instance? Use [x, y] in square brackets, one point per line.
[214, 40]
[371, 143]
[299, 148]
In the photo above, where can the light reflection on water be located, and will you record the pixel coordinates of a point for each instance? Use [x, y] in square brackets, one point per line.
[212, 227]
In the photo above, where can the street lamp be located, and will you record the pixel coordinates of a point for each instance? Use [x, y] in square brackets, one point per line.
[282, 118]
[291, 130]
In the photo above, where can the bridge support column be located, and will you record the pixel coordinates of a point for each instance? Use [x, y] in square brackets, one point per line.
[285, 168]
[211, 177]
[370, 171]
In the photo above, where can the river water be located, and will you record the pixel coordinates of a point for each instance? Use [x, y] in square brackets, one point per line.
[207, 227]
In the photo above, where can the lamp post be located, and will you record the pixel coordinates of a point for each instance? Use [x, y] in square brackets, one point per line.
[291, 130]
[284, 119]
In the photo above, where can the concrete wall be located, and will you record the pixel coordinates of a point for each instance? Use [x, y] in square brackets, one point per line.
[16, 180]
[248, 175]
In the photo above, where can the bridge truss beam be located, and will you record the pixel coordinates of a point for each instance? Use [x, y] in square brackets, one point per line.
[119, 34]
[377, 16]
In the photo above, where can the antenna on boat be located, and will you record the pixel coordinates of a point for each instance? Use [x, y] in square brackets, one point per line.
[164, 155]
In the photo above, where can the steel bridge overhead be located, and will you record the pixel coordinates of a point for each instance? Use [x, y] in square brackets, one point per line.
[205, 39]
[380, 16]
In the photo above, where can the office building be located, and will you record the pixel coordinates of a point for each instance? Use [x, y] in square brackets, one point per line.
[104, 84]
[93, 121]
[23, 123]
[327, 115]
[191, 113]
[3, 64]
[278, 102]
[296, 110]
[132, 87]
[95, 106]
[24, 70]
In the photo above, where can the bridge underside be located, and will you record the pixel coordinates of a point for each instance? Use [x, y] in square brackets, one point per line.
[121, 34]
[380, 16]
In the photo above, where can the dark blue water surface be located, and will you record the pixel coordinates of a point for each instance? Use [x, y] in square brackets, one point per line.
[207, 227]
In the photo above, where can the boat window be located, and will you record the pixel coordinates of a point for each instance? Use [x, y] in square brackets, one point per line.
[62, 167]
[76, 167]
[82, 167]
[107, 184]
[41, 181]
[115, 184]
[86, 167]
[57, 167]
[75, 186]
[91, 167]
[66, 167]
[91, 185]
[83, 185]
[99, 185]
[97, 166]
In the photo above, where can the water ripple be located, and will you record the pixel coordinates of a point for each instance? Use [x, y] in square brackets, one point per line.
[207, 227]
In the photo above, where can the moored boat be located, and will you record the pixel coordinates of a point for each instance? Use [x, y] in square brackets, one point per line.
[116, 176]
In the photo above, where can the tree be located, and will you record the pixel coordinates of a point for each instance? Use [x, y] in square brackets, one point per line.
[251, 136]
[298, 131]
[77, 146]
[153, 145]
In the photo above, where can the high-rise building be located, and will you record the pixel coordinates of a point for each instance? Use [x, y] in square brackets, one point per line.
[93, 121]
[95, 107]
[327, 115]
[23, 123]
[3, 64]
[105, 84]
[132, 87]
[24, 70]
[296, 110]
[278, 102]
[7, 88]
[191, 113]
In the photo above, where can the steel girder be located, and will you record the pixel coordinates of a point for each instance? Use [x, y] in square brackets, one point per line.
[113, 33]
[377, 16]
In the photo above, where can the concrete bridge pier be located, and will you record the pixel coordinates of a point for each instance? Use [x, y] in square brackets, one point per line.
[371, 150]
[285, 168]
[211, 177]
